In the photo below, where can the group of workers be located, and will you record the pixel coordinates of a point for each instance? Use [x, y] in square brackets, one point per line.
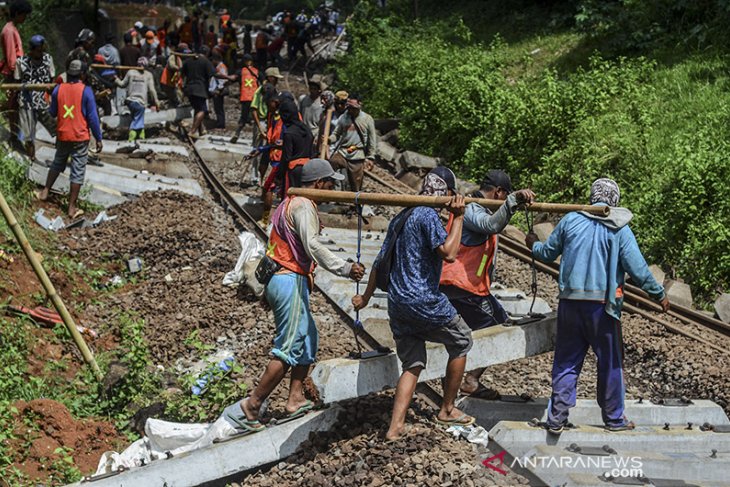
[438, 282]
[171, 60]
[437, 278]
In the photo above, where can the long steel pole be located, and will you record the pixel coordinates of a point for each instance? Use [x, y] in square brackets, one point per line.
[28, 86]
[49, 288]
[433, 201]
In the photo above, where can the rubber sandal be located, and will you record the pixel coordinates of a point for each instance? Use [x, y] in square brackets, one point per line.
[77, 214]
[303, 409]
[247, 425]
[460, 421]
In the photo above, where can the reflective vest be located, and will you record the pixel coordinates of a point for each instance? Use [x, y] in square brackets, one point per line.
[72, 125]
[273, 133]
[249, 82]
[280, 250]
[470, 270]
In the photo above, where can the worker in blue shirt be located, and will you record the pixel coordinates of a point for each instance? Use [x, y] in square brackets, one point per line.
[597, 252]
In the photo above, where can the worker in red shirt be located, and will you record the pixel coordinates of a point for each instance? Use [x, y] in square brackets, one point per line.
[74, 106]
[13, 50]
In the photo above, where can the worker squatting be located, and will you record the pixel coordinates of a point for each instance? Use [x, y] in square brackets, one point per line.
[437, 278]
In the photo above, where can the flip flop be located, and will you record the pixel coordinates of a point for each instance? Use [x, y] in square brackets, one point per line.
[247, 425]
[463, 420]
[302, 410]
[77, 214]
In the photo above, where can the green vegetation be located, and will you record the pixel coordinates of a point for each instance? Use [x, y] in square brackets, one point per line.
[561, 96]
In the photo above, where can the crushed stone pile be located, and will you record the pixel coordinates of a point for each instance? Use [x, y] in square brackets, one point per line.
[188, 245]
[353, 453]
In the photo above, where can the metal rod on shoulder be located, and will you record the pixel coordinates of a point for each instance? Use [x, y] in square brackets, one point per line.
[49, 288]
[27, 86]
[407, 200]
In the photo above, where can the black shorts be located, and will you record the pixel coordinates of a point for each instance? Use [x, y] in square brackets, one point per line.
[480, 311]
[199, 103]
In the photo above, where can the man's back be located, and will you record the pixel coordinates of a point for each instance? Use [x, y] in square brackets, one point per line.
[129, 55]
[597, 252]
[197, 72]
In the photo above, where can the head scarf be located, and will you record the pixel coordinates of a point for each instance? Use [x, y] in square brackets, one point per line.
[606, 191]
[327, 98]
[289, 113]
[434, 185]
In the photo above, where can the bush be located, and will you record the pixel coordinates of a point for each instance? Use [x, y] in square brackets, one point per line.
[661, 132]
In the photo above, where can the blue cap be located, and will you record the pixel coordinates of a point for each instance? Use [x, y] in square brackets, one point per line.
[37, 40]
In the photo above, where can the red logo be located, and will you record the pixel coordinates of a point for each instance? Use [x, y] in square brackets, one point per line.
[488, 463]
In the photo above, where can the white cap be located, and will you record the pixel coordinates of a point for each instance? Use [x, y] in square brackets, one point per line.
[138, 24]
[317, 169]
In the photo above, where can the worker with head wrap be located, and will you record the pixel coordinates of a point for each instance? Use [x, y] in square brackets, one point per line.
[597, 252]
[296, 143]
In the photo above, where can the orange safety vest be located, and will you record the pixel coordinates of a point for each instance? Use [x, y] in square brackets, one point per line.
[273, 133]
[470, 270]
[249, 82]
[279, 250]
[72, 125]
[298, 162]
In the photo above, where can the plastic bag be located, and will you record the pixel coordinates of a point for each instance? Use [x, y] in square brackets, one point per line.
[162, 437]
[252, 250]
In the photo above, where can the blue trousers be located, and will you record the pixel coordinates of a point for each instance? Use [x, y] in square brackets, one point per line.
[137, 111]
[583, 324]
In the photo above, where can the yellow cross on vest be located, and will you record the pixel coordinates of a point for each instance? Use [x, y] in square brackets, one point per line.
[270, 249]
[249, 83]
[68, 111]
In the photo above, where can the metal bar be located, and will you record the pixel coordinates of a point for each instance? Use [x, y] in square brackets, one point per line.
[120, 68]
[28, 86]
[325, 135]
[49, 288]
[433, 201]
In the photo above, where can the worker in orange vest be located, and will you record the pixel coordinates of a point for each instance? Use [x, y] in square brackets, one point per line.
[287, 272]
[74, 106]
[467, 280]
[249, 78]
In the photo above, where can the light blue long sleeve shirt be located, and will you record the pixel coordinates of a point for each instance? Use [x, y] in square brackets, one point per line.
[597, 252]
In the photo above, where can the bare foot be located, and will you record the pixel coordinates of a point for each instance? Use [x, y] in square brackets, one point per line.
[42, 195]
[395, 434]
[251, 413]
